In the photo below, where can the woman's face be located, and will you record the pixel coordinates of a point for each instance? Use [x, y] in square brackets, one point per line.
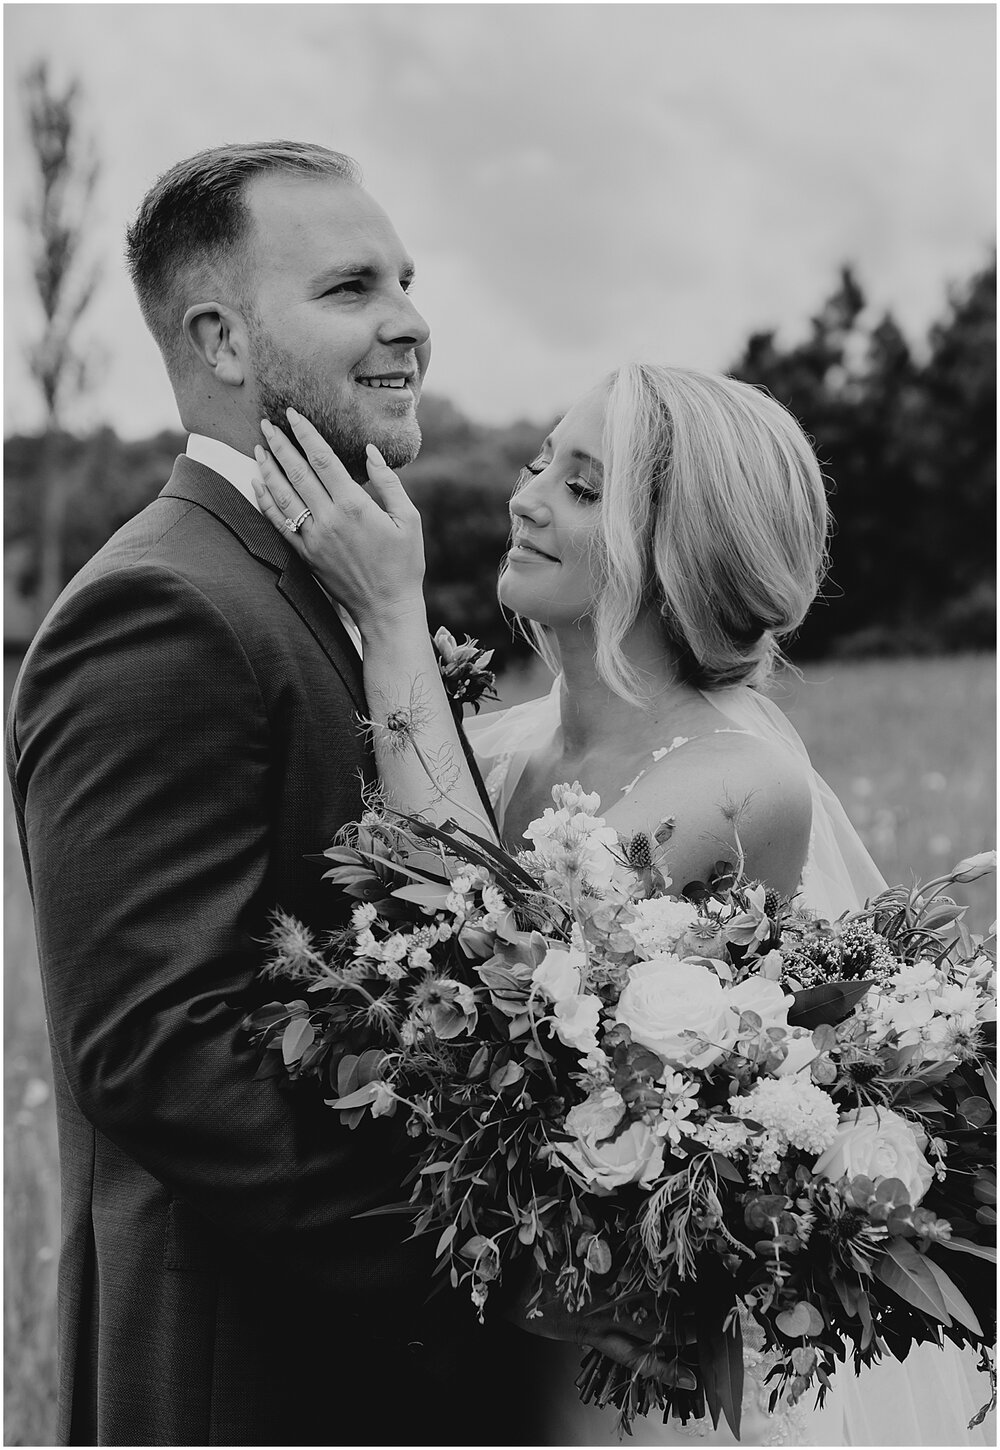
[549, 574]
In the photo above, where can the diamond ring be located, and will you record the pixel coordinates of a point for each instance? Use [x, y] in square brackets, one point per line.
[293, 525]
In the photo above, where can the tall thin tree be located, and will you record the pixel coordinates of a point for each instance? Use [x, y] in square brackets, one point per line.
[64, 175]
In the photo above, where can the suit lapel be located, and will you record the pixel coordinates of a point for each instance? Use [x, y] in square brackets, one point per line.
[209, 490]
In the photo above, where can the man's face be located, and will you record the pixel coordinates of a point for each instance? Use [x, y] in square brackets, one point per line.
[332, 330]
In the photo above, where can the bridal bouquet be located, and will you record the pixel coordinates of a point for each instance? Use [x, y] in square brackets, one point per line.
[725, 1116]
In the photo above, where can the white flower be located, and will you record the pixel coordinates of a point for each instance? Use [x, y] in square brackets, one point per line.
[558, 973]
[660, 924]
[801, 1053]
[794, 1109]
[363, 915]
[665, 998]
[975, 866]
[393, 971]
[394, 948]
[419, 958]
[383, 1100]
[763, 996]
[679, 1102]
[493, 901]
[575, 798]
[728, 1139]
[572, 845]
[465, 997]
[914, 977]
[456, 903]
[366, 944]
[576, 1020]
[880, 1144]
[634, 1156]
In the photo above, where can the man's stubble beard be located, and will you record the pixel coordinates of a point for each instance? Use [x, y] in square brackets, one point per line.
[283, 384]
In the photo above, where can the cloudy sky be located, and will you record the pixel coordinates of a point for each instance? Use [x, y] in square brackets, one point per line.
[578, 183]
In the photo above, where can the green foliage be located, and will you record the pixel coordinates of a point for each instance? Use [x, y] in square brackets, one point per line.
[910, 448]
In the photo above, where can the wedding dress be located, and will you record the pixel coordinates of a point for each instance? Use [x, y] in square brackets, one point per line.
[929, 1398]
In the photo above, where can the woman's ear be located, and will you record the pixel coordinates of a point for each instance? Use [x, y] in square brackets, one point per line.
[218, 338]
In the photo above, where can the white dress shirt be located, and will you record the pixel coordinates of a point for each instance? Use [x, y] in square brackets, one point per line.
[240, 470]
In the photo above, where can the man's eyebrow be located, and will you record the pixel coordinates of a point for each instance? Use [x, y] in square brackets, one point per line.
[364, 270]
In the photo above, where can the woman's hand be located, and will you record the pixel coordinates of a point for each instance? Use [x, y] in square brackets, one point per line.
[366, 550]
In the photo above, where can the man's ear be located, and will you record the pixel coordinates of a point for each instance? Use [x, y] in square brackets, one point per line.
[218, 336]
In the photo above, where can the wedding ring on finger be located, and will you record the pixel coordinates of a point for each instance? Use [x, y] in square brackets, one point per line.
[293, 525]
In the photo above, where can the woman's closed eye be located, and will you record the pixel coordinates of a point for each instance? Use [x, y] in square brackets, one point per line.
[583, 490]
[530, 471]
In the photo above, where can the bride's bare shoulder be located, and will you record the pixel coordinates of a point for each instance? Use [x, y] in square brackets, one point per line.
[726, 792]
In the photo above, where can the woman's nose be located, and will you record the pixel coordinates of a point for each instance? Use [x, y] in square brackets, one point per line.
[528, 502]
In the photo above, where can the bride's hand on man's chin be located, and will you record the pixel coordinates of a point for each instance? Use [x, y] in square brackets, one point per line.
[623, 1340]
[365, 548]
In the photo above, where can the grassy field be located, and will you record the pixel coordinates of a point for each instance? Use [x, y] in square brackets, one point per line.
[907, 744]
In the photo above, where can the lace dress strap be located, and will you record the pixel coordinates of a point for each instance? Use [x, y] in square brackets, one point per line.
[676, 744]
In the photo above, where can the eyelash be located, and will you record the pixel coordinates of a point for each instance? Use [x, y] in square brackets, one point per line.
[581, 492]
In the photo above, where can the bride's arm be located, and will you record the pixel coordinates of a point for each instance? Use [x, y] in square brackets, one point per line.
[367, 552]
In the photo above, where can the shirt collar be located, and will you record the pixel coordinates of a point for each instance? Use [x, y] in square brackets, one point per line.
[233, 465]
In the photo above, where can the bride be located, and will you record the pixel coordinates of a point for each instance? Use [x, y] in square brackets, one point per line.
[671, 528]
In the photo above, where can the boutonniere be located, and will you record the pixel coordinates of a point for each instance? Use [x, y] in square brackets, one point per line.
[465, 670]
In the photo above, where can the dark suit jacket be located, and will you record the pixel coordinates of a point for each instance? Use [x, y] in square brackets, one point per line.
[183, 733]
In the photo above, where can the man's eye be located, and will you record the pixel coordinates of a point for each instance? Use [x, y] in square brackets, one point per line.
[354, 286]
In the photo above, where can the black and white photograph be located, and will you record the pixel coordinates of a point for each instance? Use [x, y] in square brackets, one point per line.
[500, 718]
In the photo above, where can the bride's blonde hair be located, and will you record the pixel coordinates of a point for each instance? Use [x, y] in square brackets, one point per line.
[714, 513]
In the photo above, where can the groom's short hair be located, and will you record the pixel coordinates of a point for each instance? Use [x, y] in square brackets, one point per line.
[194, 223]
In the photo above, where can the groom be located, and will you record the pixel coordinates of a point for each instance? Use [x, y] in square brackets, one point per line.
[183, 733]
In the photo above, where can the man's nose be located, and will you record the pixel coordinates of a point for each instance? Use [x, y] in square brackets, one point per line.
[404, 324]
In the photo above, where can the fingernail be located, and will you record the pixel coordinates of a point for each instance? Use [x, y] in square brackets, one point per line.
[266, 427]
[291, 414]
[260, 456]
[375, 455]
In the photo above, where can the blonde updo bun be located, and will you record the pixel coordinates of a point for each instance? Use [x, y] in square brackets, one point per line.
[714, 513]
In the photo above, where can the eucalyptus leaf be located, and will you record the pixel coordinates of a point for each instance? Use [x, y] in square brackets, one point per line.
[955, 1301]
[905, 1271]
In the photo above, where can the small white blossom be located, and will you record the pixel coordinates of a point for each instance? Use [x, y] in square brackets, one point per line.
[363, 915]
[393, 971]
[797, 1111]
[493, 901]
[660, 923]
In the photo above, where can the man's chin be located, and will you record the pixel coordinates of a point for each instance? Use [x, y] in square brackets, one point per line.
[398, 446]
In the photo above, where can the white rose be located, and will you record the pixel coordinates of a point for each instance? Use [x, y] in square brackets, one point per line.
[766, 998]
[577, 1020]
[880, 1144]
[635, 1156]
[558, 973]
[665, 997]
